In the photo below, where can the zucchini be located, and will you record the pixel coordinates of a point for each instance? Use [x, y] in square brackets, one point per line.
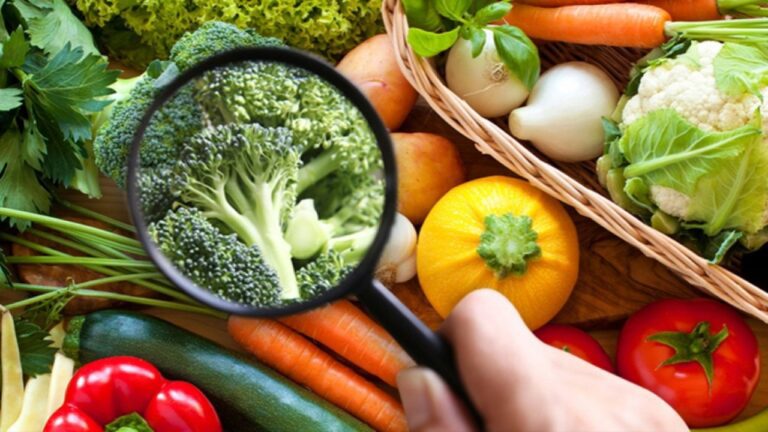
[247, 395]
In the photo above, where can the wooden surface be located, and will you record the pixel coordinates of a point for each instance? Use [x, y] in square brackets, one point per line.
[615, 279]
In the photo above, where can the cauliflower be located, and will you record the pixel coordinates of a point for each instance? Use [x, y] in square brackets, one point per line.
[688, 86]
[690, 154]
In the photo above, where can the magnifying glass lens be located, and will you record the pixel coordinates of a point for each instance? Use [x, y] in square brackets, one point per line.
[260, 183]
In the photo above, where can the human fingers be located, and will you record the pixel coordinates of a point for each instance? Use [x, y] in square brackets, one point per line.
[498, 358]
[429, 404]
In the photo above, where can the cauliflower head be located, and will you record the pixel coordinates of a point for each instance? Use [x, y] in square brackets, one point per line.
[690, 153]
[687, 84]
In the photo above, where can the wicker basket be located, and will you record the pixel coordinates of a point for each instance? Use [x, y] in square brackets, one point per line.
[573, 184]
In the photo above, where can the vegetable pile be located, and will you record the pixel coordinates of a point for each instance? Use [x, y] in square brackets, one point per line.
[684, 149]
[138, 32]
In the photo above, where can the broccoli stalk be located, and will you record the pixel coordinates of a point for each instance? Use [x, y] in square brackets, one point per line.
[244, 176]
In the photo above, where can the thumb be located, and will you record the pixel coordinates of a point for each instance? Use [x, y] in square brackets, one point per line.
[429, 404]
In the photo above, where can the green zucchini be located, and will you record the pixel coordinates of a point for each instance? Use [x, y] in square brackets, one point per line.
[248, 395]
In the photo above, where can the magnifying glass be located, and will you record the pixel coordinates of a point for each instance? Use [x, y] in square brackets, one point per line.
[278, 193]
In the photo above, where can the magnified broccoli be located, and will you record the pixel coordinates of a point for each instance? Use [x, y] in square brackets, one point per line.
[287, 167]
[176, 121]
[216, 261]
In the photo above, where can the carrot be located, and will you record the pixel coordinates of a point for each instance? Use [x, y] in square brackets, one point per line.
[345, 329]
[688, 10]
[558, 3]
[302, 361]
[627, 24]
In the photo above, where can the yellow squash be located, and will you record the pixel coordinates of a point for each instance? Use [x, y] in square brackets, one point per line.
[504, 234]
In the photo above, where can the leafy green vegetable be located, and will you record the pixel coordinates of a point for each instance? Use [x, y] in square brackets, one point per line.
[36, 348]
[53, 84]
[58, 27]
[518, 53]
[741, 69]
[422, 14]
[467, 19]
[430, 44]
[135, 32]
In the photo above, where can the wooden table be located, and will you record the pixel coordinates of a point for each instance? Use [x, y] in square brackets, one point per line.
[615, 279]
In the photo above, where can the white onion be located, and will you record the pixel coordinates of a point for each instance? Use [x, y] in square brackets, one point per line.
[563, 118]
[485, 83]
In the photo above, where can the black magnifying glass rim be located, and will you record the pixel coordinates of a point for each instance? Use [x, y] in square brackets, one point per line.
[361, 276]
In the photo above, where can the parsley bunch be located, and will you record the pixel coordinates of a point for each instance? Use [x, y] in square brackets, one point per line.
[53, 82]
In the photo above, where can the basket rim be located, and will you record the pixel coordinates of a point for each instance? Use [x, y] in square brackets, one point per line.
[492, 140]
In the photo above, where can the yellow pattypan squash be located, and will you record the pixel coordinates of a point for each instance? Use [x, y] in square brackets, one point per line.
[504, 234]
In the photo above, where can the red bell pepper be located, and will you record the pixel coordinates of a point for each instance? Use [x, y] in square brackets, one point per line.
[128, 393]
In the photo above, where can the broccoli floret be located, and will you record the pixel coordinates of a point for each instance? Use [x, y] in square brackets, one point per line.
[244, 176]
[216, 261]
[212, 38]
[177, 120]
[329, 132]
[322, 274]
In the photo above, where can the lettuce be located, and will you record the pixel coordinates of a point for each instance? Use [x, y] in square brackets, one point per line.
[327, 27]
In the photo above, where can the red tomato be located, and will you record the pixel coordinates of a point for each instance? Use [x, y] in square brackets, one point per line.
[576, 342]
[666, 347]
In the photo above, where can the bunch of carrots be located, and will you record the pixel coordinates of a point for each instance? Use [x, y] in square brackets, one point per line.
[639, 24]
[287, 346]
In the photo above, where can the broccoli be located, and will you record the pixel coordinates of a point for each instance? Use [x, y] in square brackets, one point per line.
[179, 119]
[329, 132]
[322, 274]
[220, 262]
[283, 164]
[333, 209]
[244, 176]
[212, 38]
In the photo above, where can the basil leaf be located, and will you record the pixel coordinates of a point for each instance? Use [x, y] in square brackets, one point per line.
[741, 69]
[422, 14]
[518, 53]
[476, 37]
[453, 9]
[429, 44]
[492, 12]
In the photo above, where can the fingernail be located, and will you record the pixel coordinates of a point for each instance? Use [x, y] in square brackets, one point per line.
[419, 391]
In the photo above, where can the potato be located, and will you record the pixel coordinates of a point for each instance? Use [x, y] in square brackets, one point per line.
[428, 166]
[373, 67]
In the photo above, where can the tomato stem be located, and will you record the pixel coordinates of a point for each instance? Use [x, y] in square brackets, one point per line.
[696, 346]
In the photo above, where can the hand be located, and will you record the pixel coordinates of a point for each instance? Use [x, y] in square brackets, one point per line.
[518, 383]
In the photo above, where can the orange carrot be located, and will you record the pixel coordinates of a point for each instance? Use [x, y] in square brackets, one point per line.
[557, 3]
[688, 10]
[302, 361]
[627, 24]
[345, 329]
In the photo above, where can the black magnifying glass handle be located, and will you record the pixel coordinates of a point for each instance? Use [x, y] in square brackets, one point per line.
[426, 347]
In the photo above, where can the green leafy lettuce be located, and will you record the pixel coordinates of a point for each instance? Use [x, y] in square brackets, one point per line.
[135, 32]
